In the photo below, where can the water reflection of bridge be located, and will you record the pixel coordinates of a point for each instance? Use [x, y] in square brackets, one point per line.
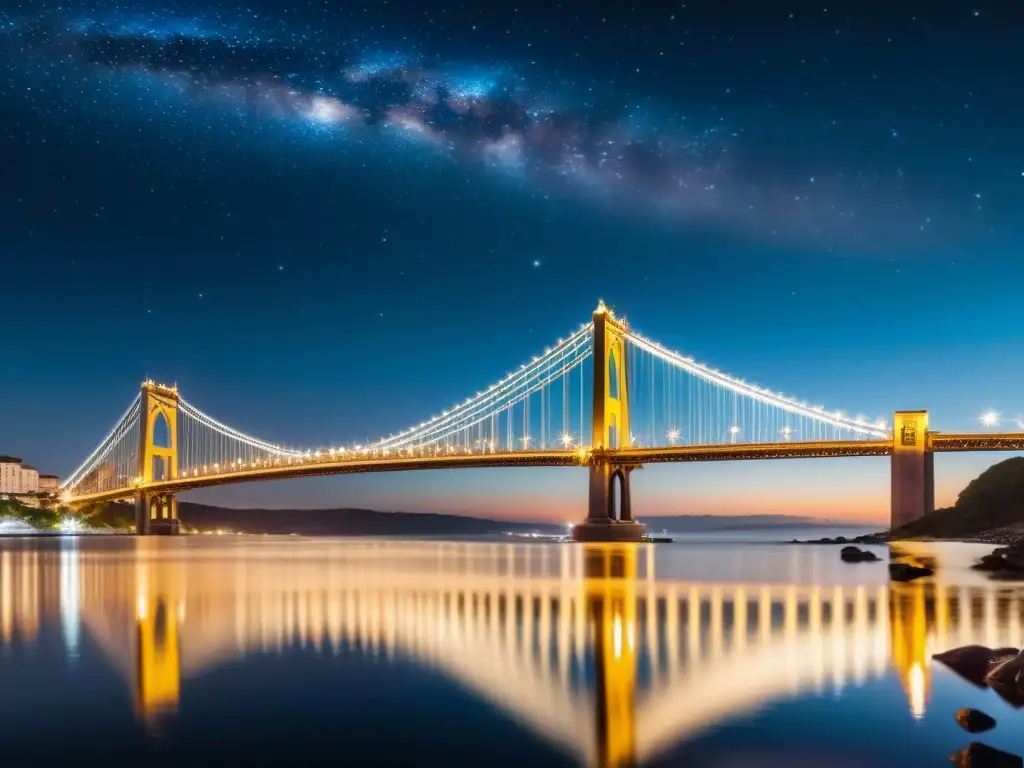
[584, 646]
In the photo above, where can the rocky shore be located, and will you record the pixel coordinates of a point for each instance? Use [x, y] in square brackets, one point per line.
[1007, 536]
[867, 538]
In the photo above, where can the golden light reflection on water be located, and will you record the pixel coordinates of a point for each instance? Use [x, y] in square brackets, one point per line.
[558, 637]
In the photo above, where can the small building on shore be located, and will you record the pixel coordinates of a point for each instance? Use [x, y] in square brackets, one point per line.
[17, 477]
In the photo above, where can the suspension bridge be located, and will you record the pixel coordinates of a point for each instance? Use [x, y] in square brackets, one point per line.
[638, 402]
[586, 647]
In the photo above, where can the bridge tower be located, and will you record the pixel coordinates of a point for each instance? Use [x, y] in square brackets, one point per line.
[912, 612]
[610, 572]
[158, 681]
[610, 515]
[913, 468]
[157, 513]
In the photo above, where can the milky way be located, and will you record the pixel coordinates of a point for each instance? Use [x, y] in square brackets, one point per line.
[478, 114]
[485, 115]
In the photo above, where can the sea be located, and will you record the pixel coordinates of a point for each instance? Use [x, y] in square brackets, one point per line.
[719, 649]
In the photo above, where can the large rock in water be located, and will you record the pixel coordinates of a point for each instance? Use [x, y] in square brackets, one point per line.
[991, 562]
[974, 720]
[977, 755]
[857, 555]
[906, 572]
[1006, 677]
[974, 662]
[1003, 562]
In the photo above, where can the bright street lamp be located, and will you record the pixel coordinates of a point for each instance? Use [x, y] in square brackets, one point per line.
[990, 419]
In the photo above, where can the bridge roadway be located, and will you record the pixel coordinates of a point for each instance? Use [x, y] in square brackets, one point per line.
[365, 462]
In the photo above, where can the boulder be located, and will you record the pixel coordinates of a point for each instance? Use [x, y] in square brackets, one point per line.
[1006, 670]
[857, 555]
[991, 562]
[974, 720]
[1002, 560]
[976, 755]
[906, 572]
[1006, 677]
[974, 662]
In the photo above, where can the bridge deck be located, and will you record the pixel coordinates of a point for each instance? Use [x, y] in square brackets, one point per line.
[1010, 441]
[347, 466]
[938, 442]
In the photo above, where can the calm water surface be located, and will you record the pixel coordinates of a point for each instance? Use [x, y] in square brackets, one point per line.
[223, 650]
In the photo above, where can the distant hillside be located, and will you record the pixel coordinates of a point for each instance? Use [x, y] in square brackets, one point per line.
[991, 504]
[367, 522]
[328, 522]
[370, 522]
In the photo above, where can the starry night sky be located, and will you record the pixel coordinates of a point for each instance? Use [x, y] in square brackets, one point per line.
[329, 221]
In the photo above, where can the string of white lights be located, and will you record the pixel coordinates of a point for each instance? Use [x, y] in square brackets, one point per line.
[542, 376]
[486, 399]
[740, 387]
[120, 426]
[234, 434]
[545, 375]
[499, 396]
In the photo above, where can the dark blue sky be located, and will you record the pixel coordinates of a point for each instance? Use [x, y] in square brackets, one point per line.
[329, 223]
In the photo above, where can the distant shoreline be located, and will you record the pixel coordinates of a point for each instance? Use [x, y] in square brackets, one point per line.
[204, 518]
[360, 522]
